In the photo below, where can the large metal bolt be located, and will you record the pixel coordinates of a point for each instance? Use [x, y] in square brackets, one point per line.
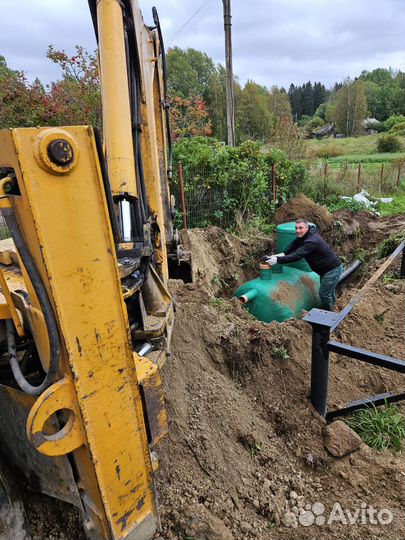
[60, 152]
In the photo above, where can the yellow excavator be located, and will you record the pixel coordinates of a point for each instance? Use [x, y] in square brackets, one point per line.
[85, 313]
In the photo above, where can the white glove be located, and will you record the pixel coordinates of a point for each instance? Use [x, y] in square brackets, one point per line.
[279, 255]
[271, 261]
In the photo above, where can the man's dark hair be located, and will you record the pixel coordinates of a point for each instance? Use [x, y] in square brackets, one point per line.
[304, 221]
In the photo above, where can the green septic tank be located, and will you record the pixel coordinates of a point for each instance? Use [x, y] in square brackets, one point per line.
[283, 291]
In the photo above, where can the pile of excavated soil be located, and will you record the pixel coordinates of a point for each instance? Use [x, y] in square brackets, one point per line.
[220, 260]
[364, 229]
[245, 455]
[302, 207]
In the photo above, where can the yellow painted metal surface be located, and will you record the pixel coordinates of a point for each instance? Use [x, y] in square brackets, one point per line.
[65, 221]
[150, 379]
[115, 96]
[153, 151]
[59, 396]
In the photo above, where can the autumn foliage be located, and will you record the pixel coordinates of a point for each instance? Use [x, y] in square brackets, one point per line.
[75, 99]
[189, 117]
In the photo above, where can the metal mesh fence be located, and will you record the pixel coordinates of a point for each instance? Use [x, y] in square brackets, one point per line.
[4, 232]
[205, 204]
[349, 178]
[219, 205]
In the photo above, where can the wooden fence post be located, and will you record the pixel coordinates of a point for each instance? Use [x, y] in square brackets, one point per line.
[182, 198]
[358, 179]
[273, 175]
[399, 174]
[381, 177]
[325, 174]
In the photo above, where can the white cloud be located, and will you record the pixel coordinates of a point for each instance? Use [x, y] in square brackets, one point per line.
[274, 41]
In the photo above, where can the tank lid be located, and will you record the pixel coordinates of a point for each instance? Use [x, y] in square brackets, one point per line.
[289, 227]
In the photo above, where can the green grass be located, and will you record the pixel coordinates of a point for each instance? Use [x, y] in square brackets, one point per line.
[380, 428]
[342, 171]
[255, 449]
[280, 353]
[4, 232]
[350, 145]
[369, 158]
[354, 150]
[397, 207]
[219, 303]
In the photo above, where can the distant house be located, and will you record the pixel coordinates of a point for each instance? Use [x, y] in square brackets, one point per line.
[328, 130]
[370, 125]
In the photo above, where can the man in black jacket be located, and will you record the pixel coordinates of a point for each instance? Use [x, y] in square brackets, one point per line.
[309, 245]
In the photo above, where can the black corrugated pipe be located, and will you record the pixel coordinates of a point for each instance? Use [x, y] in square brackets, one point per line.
[349, 271]
[47, 310]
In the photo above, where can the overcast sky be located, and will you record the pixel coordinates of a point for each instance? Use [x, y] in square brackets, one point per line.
[275, 42]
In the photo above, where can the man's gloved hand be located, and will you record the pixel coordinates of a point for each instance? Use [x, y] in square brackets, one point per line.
[271, 261]
[279, 255]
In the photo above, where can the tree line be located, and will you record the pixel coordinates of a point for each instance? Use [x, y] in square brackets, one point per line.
[261, 112]
[197, 90]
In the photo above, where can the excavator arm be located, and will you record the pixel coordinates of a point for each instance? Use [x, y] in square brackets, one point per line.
[85, 314]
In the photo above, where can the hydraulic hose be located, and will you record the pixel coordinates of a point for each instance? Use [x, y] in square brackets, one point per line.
[135, 90]
[107, 185]
[47, 310]
[166, 91]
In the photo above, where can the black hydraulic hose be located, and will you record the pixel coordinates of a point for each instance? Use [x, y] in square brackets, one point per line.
[107, 186]
[47, 310]
[93, 13]
[349, 271]
[134, 84]
[166, 91]
[135, 88]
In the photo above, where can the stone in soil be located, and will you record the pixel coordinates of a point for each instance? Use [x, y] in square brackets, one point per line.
[340, 440]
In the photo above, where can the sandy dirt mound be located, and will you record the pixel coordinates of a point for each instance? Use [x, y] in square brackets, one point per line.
[364, 229]
[220, 260]
[302, 207]
[245, 454]
[244, 457]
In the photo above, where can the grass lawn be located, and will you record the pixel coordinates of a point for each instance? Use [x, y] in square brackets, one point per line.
[395, 208]
[354, 150]
[351, 145]
[343, 157]
[369, 158]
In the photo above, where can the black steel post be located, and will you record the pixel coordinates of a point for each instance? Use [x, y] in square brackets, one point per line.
[402, 271]
[320, 368]
[322, 323]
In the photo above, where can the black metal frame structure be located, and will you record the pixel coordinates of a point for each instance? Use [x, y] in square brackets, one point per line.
[323, 324]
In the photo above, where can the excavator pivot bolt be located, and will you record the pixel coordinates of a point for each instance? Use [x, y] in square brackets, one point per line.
[60, 152]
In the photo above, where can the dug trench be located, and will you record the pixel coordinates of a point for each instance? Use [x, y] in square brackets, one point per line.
[245, 457]
[245, 454]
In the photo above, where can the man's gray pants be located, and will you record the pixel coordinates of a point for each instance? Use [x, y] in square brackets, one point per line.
[327, 290]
